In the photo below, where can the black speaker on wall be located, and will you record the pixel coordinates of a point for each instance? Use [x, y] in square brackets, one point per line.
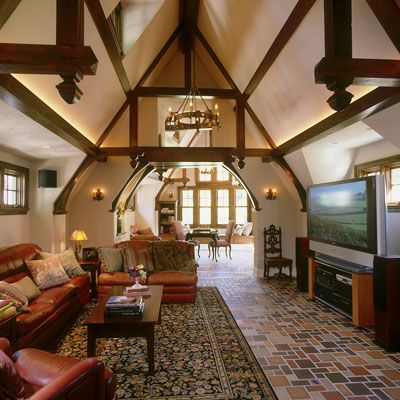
[386, 284]
[47, 178]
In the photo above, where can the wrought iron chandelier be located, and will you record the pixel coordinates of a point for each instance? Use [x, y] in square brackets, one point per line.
[188, 116]
[206, 170]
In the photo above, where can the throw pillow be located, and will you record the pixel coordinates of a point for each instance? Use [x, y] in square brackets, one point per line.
[111, 259]
[47, 273]
[136, 257]
[248, 227]
[68, 261]
[27, 287]
[134, 229]
[11, 386]
[12, 293]
[146, 231]
[238, 230]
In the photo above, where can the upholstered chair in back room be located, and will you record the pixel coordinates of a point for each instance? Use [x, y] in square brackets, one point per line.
[224, 243]
[179, 235]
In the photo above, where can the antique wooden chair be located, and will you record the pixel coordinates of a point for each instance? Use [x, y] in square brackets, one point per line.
[224, 243]
[179, 235]
[273, 251]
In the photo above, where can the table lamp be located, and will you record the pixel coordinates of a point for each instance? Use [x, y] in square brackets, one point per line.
[78, 235]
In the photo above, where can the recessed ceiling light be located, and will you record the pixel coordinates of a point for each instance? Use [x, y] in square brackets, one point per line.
[45, 147]
[334, 143]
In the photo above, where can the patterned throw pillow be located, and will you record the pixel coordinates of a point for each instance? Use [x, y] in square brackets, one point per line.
[9, 292]
[47, 273]
[136, 257]
[111, 259]
[27, 287]
[11, 386]
[68, 261]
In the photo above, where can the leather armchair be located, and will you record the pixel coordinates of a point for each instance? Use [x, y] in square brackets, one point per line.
[47, 376]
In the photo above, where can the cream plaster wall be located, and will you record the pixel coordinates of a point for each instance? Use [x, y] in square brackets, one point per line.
[145, 214]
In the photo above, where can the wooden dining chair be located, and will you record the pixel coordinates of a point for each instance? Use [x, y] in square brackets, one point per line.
[225, 242]
[273, 251]
[179, 235]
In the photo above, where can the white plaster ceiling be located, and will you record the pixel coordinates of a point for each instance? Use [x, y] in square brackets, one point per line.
[21, 136]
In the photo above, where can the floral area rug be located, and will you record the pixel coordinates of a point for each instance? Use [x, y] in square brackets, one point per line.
[200, 353]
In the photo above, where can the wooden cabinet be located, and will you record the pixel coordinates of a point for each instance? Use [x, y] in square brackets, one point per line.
[166, 215]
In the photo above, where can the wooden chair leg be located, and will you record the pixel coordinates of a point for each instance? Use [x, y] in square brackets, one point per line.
[198, 250]
[230, 252]
[226, 251]
[209, 251]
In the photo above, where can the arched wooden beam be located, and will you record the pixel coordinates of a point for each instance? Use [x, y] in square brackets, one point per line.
[141, 170]
[299, 187]
[60, 205]
[229, 166]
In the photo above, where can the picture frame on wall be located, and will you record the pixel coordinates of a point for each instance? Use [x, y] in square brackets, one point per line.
[90, 254]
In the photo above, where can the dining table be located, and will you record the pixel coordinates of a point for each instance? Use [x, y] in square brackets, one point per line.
[204, 232]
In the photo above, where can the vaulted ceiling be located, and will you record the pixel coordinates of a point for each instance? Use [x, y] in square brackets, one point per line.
[261, 54]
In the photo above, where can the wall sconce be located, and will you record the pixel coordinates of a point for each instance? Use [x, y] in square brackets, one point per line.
[271, 194]
[97, 195]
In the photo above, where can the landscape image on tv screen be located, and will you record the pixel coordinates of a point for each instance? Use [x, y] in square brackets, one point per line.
[338, 213]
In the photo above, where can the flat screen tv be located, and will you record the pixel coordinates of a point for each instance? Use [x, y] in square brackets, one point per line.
[344, 214]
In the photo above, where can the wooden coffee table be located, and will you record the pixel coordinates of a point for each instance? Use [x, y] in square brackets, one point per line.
[99, 326]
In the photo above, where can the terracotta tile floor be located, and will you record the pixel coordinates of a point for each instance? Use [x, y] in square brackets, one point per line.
[306, 350]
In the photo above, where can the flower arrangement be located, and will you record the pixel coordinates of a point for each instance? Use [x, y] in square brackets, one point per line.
[137, 271]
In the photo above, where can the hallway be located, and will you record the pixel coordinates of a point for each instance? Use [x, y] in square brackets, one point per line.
[306, 350]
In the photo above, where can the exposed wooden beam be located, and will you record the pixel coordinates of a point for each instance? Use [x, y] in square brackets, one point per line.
[145, 91]
[377, 100]
[240, 126]
[70, 22]
[111, 125]
[7, 7]
[188, 15]
[294, 20]
[297, 184]
[100, 20]
[133, 122]
[60, 205]
[388, 14]
[183, 154]
[360, 71]
[16, 95]
[233, 85]
[46, 59]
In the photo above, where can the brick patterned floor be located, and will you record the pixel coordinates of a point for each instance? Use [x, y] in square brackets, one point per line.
[306, 350]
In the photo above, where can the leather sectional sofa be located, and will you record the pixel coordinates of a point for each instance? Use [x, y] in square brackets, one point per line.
[179, 287]
[52, 309]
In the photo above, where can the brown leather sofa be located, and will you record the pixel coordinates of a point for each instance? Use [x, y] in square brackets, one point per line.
[52, 309]
[40, 375]
[179, 287]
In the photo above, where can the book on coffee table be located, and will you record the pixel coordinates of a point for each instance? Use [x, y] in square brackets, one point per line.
[133, 292]
[123, 305]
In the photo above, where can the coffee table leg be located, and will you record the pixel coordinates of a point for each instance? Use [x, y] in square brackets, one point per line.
[91, 342]
[150, 349]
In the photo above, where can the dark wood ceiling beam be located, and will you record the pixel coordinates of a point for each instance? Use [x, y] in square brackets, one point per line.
[7, 7]
[46, 59]
[294, 20]
[388, 14]
[240, 127]
[16, 95]
[183, 154]
[145, 91]
[70, 22]
[377, 100]
[112, 123]
[188, 15]
[100, 20]
[233, 85]
[360, 71]
[134, 122]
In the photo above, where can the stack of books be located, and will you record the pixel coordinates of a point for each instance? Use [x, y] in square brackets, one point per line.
[7, 309]
[133, 291]
[123, 305]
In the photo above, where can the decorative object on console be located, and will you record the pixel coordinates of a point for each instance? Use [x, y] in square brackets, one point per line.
[138, 273]
[78, 236]
[98, 195]
[89, 254]
[271, 194]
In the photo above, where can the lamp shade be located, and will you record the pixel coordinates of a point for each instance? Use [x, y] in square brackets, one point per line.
[78, 235]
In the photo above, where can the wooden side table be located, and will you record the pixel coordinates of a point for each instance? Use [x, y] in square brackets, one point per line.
[8, 328]
[92, 267]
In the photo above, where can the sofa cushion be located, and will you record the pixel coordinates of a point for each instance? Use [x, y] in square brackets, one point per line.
[79, 283]
[116, 278]
[247, 228]
[111, 259]
[11, 385]
[169, 256]
[146, 231]
[238, 230]
[67, 260]
[172, 279]
[134, 257]
[47, 273]
[39, 313]
[27, 287]
[55, 296]
[9, 292]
